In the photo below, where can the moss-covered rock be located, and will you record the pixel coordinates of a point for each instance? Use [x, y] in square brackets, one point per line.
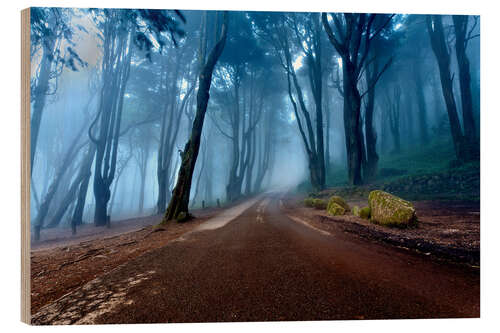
[365, 212]
[339, 201]
[335, 209]
[355, 210]
[319, 203]
[389, 210]
[315, 203]
[309, 202]
[182, 217]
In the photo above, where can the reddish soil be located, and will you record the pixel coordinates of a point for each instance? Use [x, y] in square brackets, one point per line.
[446, 229]
[63, 263]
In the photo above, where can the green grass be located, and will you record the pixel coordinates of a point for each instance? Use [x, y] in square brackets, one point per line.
[424, 172]
[432, 158]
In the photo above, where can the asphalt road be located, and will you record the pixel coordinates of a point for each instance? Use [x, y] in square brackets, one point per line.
[264, 266]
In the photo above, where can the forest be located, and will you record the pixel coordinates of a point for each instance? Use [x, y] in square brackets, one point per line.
[163, 112]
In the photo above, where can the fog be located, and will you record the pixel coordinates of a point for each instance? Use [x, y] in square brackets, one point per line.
[114, 97]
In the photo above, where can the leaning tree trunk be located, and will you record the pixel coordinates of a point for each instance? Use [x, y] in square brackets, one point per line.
[69, 198]
[77, 218]
[178, 205]
[40, 95]
[47, 201]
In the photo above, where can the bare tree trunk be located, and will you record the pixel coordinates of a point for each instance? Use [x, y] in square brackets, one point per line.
[266, 146]
[44, 207]
[200, 174]
[116, 70]
[438, 42]
[233, 188]
[40, 95]
[117, 179]
[355, 33]
[168, 137]
[352, 124]
[69, 198]
[316, 170]
[422, 106]
[394, 114]
[315, 75]
[77, 217]
[141, 191]
[460, 23]
[143, 167]
[250, 168]
[328, 115]
[179, 203]
[370, 169]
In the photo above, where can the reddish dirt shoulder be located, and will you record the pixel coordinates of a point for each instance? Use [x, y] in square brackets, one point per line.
[446, 229]
[62, 264]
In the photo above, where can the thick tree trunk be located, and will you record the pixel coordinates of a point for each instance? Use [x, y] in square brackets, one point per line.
[352, 123]
[102, 195]
[352, 42]
[179, 203]
[161, 203]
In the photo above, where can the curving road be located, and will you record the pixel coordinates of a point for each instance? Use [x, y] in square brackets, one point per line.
[257, 264]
